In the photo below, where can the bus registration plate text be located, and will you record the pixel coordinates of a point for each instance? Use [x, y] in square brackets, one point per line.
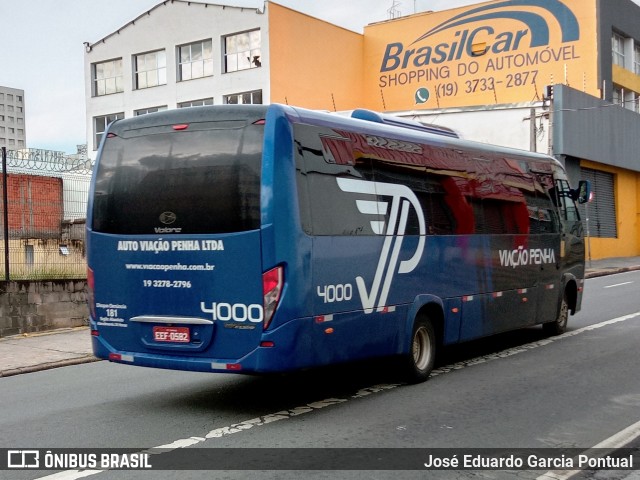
[171, 334]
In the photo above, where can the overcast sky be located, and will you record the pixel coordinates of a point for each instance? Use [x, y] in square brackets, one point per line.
[42, 52]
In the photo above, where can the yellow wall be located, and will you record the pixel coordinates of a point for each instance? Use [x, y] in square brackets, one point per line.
[625, 78]
[627, 194]
[523, 55]
[314, 64]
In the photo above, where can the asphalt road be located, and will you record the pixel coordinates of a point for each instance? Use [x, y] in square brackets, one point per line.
[518, 390]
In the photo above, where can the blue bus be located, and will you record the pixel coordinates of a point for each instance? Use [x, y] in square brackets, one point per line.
[258, 238]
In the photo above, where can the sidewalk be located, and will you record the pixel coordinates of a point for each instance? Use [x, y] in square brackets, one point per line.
[608, 266]
[40, 351]
[71, 346]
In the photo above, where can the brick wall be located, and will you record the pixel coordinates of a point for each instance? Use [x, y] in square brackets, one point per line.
[35, 205]
[27, 306]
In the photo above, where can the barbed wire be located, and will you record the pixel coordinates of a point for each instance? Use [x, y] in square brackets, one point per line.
[49, 161]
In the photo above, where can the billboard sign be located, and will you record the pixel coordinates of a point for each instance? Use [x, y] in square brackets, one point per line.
[489, 53]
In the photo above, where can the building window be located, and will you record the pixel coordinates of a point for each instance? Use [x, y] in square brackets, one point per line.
[9, 108]
[618, 96]
[107, 77]
[150, 69]
[244, 98]
[196, 103]
[21, 143]
[144, 111]
[636, 59]
[19, 98]
[100, 124]
[195, 60]
[617, 49]
[242, 51]
[9, 97]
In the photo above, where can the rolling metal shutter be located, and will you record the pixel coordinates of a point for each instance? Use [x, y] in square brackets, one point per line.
[601, 211]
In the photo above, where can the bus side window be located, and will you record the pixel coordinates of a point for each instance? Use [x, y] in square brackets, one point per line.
[325, 209]
[428, 188]
[544, 205]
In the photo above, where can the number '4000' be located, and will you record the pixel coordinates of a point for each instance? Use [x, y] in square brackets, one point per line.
[335, 293]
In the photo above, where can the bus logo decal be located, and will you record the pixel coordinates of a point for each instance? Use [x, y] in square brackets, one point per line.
[401, 198]
[168, 218]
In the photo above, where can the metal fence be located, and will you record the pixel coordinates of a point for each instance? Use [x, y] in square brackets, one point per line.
[43, 200]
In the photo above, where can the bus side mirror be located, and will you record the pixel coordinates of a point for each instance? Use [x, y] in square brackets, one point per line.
[583, 193]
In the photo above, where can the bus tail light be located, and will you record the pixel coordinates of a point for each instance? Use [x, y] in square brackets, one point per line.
[91, 299]
[272, 283]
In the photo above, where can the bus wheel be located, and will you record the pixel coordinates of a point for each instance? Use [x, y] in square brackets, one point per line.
[421, 357]
[559, 325]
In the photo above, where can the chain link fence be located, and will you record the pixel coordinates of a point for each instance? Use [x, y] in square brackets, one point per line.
[43, 201]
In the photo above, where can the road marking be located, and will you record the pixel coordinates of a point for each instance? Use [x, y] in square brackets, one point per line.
[364, 392]
[71, 475]
[615, 441]
[618, 285]
[530, 346]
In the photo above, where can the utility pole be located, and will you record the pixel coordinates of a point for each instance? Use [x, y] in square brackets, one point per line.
[548, 96]
[532, 130]
[5, 205]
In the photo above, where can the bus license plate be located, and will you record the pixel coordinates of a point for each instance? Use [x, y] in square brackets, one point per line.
[171, 334]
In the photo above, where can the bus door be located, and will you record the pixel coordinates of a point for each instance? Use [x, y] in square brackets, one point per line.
[568, 247]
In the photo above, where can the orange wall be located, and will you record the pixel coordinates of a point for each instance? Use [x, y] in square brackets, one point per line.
[314, 64]
[627, 194]
[408, 66]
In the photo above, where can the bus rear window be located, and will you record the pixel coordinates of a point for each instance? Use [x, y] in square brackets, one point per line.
[193, 181]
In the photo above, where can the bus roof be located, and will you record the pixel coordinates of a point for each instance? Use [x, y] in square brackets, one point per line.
[475, 149]
[363, 120]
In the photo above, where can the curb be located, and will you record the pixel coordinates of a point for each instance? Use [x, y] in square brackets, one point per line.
[610, 271]
[49, 366]
[44, 333]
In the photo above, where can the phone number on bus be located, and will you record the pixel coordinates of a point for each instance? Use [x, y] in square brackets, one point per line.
[167, 283]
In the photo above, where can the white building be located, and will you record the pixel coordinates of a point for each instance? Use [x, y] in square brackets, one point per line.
[12, 118]
[175, 55]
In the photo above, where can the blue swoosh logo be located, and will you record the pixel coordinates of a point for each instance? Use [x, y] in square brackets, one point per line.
[537, 24]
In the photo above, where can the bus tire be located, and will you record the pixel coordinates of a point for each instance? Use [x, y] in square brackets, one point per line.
[559, 325]
[418, 363]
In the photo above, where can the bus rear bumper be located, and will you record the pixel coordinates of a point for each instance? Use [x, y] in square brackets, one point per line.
[265, 358]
